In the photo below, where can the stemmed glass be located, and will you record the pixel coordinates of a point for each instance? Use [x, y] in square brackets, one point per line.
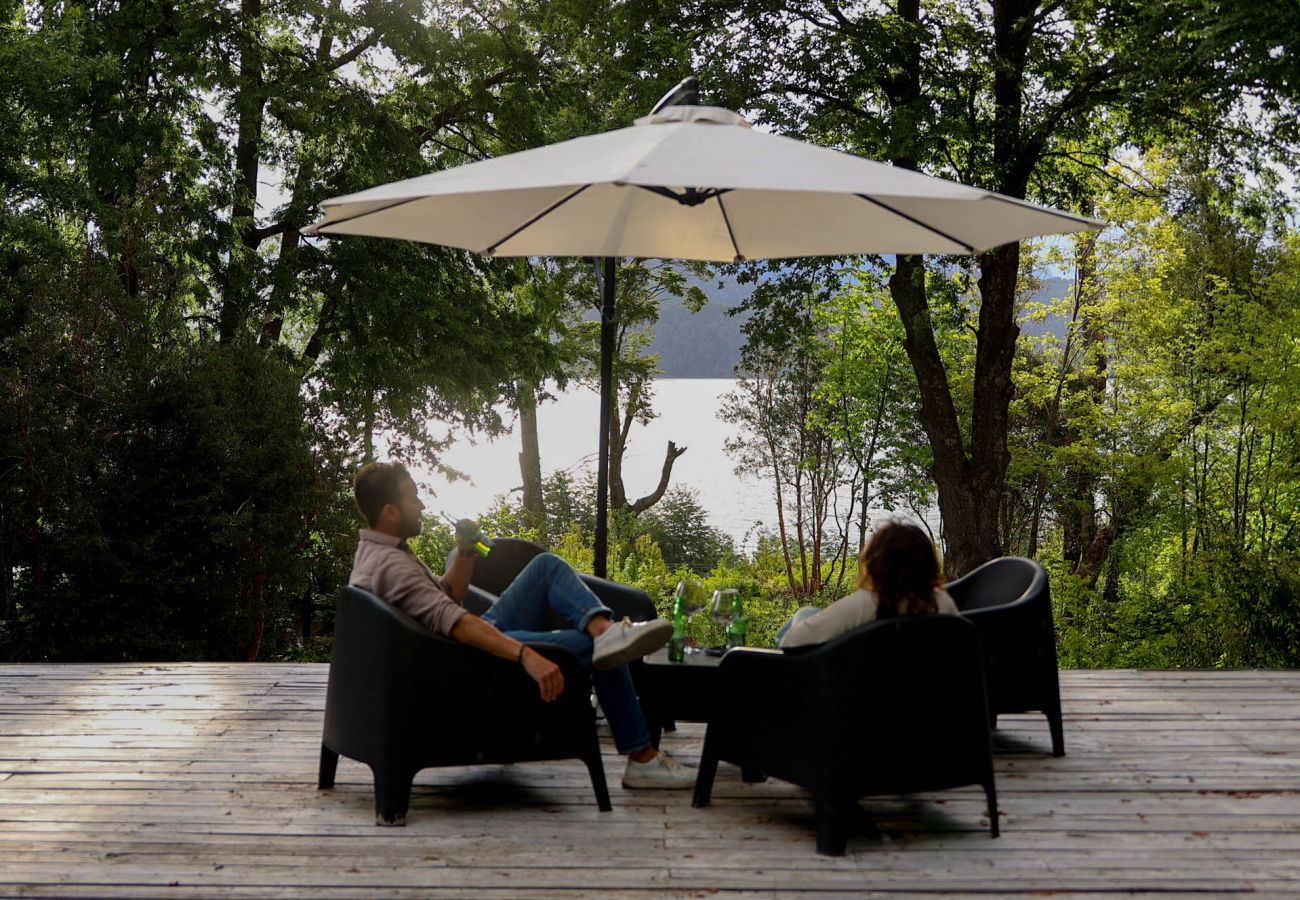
[691, 593]
[723, 604]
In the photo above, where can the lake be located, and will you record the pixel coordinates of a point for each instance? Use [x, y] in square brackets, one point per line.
[567, 433]
[688, 415]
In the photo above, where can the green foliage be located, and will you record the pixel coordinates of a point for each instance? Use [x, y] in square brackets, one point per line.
[679, 526]
[1230, 610]
[827, 409]
[181, 358]
[677, 529]
[163, 505]
[187, 382]
[436, 541]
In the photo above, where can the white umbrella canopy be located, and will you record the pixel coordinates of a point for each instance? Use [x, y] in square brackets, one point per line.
[689, 182]
[685, 182]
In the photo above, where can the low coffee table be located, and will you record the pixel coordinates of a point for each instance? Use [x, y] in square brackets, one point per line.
[685, 691]
[672, 691]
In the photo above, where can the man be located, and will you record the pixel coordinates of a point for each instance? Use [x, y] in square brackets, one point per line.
[389, 501]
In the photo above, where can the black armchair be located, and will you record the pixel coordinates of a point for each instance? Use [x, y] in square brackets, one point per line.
[1009, 601]
[895, 706]
[401, 699]
[493, 574]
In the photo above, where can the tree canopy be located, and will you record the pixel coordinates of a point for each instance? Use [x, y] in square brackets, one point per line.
[187, 382]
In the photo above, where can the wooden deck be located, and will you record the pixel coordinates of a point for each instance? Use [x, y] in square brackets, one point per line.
[198, 780]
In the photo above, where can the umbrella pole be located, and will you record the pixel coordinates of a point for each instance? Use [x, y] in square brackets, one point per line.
[600, 551]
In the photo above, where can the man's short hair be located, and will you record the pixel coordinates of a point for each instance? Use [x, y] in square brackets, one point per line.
[376, 485]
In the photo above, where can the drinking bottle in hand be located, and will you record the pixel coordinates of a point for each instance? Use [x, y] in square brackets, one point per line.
[468, 531]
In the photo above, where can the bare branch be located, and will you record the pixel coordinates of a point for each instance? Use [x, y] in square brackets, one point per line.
[339, 62]
[325, 326]
[457, 110]
[665, 476]
[266, 231]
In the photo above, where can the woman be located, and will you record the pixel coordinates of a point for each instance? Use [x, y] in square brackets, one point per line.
[898, 575]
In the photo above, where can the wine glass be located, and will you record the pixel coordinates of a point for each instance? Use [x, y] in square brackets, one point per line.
[723, 603]
[691, 593]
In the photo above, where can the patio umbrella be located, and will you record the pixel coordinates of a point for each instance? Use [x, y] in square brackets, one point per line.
[689, 182]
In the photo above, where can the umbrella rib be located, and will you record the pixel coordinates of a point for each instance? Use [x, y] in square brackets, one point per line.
[369, 212]
[731, 233]
[1078, 220]
[915, 221]
[541, 215]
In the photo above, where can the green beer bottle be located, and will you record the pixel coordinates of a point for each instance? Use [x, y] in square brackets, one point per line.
[471, 533]
[739, 624]
[677, 643]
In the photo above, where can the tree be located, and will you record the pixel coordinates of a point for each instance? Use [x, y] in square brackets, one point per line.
[566, 291]
[824, 412]
[202, 334]
[1024, 98]
[1191, 368]
[679, 525]
[867, 403]
[163, 497]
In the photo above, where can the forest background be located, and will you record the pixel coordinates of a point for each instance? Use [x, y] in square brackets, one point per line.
[187, 383]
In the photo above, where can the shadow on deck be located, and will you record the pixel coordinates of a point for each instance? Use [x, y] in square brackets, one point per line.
[198, 780]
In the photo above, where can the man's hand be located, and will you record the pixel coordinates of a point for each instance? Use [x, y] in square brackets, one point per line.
[550, 681]
[466, 532]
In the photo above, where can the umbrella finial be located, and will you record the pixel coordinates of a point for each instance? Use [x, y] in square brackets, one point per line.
[686, 93]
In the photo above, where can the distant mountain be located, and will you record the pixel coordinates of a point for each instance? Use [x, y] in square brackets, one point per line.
[707, 344]
[1051, 289]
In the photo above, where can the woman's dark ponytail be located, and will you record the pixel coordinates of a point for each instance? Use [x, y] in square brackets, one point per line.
[900, 565]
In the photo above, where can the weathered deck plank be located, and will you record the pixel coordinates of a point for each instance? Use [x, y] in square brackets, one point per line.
[198, 780]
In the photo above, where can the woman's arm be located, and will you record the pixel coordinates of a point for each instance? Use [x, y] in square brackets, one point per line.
[943, 600]
[843, 615]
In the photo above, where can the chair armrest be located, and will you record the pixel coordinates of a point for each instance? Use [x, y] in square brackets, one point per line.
[767, 703]
[759, 665]
[769, 686]
[477, 600]
[625, 601]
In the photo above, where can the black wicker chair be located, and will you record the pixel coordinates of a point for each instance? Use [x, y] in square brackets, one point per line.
[493, 574]
[1009, 601]
[401, 699]
[895, 706]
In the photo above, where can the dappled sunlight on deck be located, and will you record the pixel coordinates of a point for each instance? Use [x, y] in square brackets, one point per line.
[199, 780]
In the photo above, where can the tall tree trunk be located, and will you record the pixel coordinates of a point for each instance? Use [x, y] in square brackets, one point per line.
[619, 431]
[778, 485]
[368, 428]
[1267, 494]
[240, 288]
[968, 494]
[869, 460]
[1079, 333]
[970, 482]
[1240, 475]
[530, 461]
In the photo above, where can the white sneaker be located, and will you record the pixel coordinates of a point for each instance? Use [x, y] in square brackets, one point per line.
[663, 772]
[625, 641]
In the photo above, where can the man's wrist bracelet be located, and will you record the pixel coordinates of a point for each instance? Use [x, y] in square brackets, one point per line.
[520, 659]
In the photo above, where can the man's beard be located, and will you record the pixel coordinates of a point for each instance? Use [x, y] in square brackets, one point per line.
[411, 528]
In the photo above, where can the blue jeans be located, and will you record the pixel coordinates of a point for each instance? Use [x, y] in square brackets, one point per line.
[549, 583]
